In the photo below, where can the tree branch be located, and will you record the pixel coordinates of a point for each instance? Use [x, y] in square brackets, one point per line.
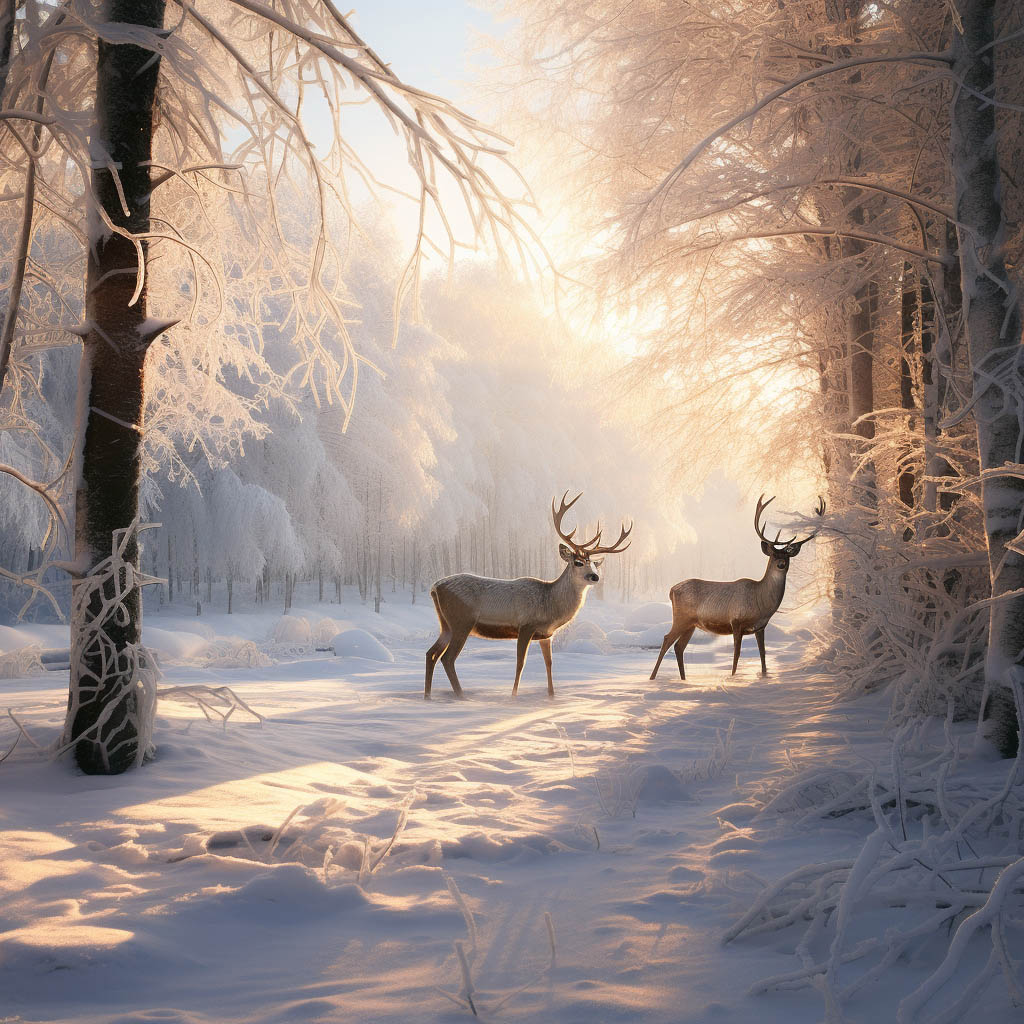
[942, 57]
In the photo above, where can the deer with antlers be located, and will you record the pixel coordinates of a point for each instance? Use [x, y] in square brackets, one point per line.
[523, 610]
[738, 608]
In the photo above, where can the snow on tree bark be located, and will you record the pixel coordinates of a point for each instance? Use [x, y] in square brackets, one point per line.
[993, 321]
[105, 700]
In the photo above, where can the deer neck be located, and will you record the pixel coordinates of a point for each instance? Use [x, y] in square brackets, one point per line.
[566, 597]
[773, 585]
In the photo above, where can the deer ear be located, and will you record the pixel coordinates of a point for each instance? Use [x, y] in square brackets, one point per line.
[565, 553]
[767, 548]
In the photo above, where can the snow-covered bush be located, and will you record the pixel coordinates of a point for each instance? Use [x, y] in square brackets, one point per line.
[234, 652]
[292, 629]
[25, 661]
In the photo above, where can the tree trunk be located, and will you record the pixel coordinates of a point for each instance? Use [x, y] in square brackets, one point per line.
[109, 712]
[993, 322]
[911, 322]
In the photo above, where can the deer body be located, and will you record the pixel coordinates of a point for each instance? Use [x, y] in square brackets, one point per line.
[524, 609]
[500, 608]
[738, 608]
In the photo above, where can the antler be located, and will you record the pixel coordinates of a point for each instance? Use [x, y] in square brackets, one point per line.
[819, 510]
[761, 506]
[586, 547]
[557, 517]
[614, 549]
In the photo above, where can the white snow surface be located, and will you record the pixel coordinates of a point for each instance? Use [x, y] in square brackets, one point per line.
[329, 864]
[358, 643]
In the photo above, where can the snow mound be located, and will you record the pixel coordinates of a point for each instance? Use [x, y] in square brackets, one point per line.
[652, 637]
[653, 614]
[174, 645]
[291, 629]
[621, 638]
[357, 643]
[291, 892]
[660, 785]
[583, 637]
[11, 639]
[585, 647]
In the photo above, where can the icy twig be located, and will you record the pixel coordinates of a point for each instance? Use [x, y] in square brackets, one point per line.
[568, 747]
[22, 731]
[204, 697]
[403, 817]
[549, 924]
[467, 979]
[467, 914]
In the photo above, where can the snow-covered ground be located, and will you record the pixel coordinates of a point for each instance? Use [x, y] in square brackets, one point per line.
[364, 856]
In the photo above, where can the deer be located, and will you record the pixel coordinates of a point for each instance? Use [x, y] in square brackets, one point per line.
[741, 607]
[524, 609]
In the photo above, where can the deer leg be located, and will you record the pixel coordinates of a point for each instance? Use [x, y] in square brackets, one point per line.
[458, 641]
[670, 637]
[440, 645]
[545, 649]
[737, 640]
[437, 649]
[680, 646]
[760, 650]
[522, 645]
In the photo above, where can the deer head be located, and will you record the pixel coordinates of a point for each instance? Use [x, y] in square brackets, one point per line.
[579, 555]
[781, 551]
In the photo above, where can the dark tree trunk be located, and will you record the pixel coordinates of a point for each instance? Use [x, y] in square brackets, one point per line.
[993, 321]
[911, 323]
[104, 707]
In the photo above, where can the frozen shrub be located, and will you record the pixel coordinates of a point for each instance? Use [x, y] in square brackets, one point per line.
[291, 629]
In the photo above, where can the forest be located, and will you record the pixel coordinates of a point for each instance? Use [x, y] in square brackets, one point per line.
[288, 337]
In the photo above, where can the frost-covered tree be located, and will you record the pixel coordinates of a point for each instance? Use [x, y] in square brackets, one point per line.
[815, 204]
[167, 149]
[774, 187]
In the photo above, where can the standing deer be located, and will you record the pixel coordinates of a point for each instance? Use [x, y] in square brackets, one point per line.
[523, 610]
[741, 607]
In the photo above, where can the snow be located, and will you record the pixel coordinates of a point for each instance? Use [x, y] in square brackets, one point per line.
[328, 864]
[358, 643]
[291, 629]
[656, 613]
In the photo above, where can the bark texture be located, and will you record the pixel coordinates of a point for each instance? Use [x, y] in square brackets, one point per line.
[993, 327]
[104, 704]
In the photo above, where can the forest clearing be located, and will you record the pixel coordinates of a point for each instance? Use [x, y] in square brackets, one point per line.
[319, 703]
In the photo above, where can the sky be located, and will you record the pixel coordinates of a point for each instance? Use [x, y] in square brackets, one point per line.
[429, 45]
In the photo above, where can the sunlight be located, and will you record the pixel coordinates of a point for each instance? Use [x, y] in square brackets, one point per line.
[526, 542]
